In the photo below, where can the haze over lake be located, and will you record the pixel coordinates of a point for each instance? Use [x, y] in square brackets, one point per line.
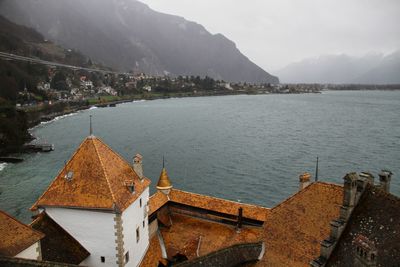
[249, 147]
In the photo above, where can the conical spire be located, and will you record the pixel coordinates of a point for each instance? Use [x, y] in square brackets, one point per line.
[163, 182]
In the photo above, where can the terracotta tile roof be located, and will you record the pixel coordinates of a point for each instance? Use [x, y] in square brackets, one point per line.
[294, 228]
[99, 179]
[376, 219]
[153, 255]
[15, 236]
[210, 203]
[156, 201]
[187, 233]
[58, 245]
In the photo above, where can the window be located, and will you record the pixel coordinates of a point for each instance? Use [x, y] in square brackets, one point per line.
[140, 202]
[143, 223]
[137, 235]
[126, 257]
[103, 259]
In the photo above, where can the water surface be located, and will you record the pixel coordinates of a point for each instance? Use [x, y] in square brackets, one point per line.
[247, 148]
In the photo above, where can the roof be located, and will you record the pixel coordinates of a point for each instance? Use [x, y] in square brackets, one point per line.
[98, 180]
[294, 228]
[58, 245]
[163, 181]
[15, 236]
[193, 237]
[207, 202]
[375, 219]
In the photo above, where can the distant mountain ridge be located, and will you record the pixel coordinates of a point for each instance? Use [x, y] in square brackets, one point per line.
[127, 34]
[368, 69]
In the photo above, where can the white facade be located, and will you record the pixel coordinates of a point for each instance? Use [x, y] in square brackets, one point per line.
[133, 219]
[94, 230]
[31, 253]
[97, 232]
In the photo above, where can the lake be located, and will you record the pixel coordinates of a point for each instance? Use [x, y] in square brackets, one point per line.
[250, 148]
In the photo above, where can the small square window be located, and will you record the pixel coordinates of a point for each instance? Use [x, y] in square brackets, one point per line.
[137, 235]
[126, 257]
[140, 202]
[103, 259]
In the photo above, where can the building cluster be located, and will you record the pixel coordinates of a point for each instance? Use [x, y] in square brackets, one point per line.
[98, 212]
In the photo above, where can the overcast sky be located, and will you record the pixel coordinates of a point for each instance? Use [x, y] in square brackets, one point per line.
[275, 33]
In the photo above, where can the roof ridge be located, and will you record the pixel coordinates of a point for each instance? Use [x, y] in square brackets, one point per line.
[303, 190]
[59, 173]
[117, 154]
[223, 199]
[105, 172]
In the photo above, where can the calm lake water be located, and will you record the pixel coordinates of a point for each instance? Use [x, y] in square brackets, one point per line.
[247, 148]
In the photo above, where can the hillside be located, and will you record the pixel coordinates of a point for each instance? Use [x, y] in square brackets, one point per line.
[368, 69]
[128, 35]
[16, 76]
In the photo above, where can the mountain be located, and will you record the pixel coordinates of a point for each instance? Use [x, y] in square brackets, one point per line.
[368, 69]
[127, 35]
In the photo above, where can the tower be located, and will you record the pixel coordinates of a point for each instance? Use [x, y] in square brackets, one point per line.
[100, 200]
[164, 184]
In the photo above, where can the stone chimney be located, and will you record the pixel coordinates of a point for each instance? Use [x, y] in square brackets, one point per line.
[349, 195]
[138, 166]
[304, 180]
[384, 180]
[365, 252]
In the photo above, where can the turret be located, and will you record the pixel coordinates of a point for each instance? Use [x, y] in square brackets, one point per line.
[138, 166]
[304, 180]
[164, 184]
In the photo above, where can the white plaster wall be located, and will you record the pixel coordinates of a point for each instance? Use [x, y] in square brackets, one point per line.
[93, 229]
[132, 218]
[29, 253]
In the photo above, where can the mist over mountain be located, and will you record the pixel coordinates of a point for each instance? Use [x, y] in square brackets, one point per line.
[372, 68]
[127, 34]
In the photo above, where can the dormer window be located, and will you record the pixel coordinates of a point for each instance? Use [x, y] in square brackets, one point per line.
[131, 186]
[68, 176]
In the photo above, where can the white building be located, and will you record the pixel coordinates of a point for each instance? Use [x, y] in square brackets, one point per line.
[18, 240]
[101, 201]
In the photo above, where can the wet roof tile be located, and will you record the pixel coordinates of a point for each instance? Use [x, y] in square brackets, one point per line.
[94, 178]
[15, 236]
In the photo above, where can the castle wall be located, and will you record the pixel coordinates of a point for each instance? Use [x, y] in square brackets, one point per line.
[92, 229]
[132, 219]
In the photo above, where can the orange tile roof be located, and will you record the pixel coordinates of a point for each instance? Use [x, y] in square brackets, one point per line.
[99, 180]
[187, 233]
[294, 228]
[206, 202]
[156, 201]
[15, 236]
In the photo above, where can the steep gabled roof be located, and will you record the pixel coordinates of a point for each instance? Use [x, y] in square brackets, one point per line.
[58, 245]
[294, 228]
[94, 178]
[15, 236]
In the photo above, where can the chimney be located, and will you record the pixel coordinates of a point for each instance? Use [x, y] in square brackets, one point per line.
[349, 195]
[138, 166]
[384, 180]
[304, 180]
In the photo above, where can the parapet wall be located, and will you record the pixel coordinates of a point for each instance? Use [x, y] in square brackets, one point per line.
[230, 256]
